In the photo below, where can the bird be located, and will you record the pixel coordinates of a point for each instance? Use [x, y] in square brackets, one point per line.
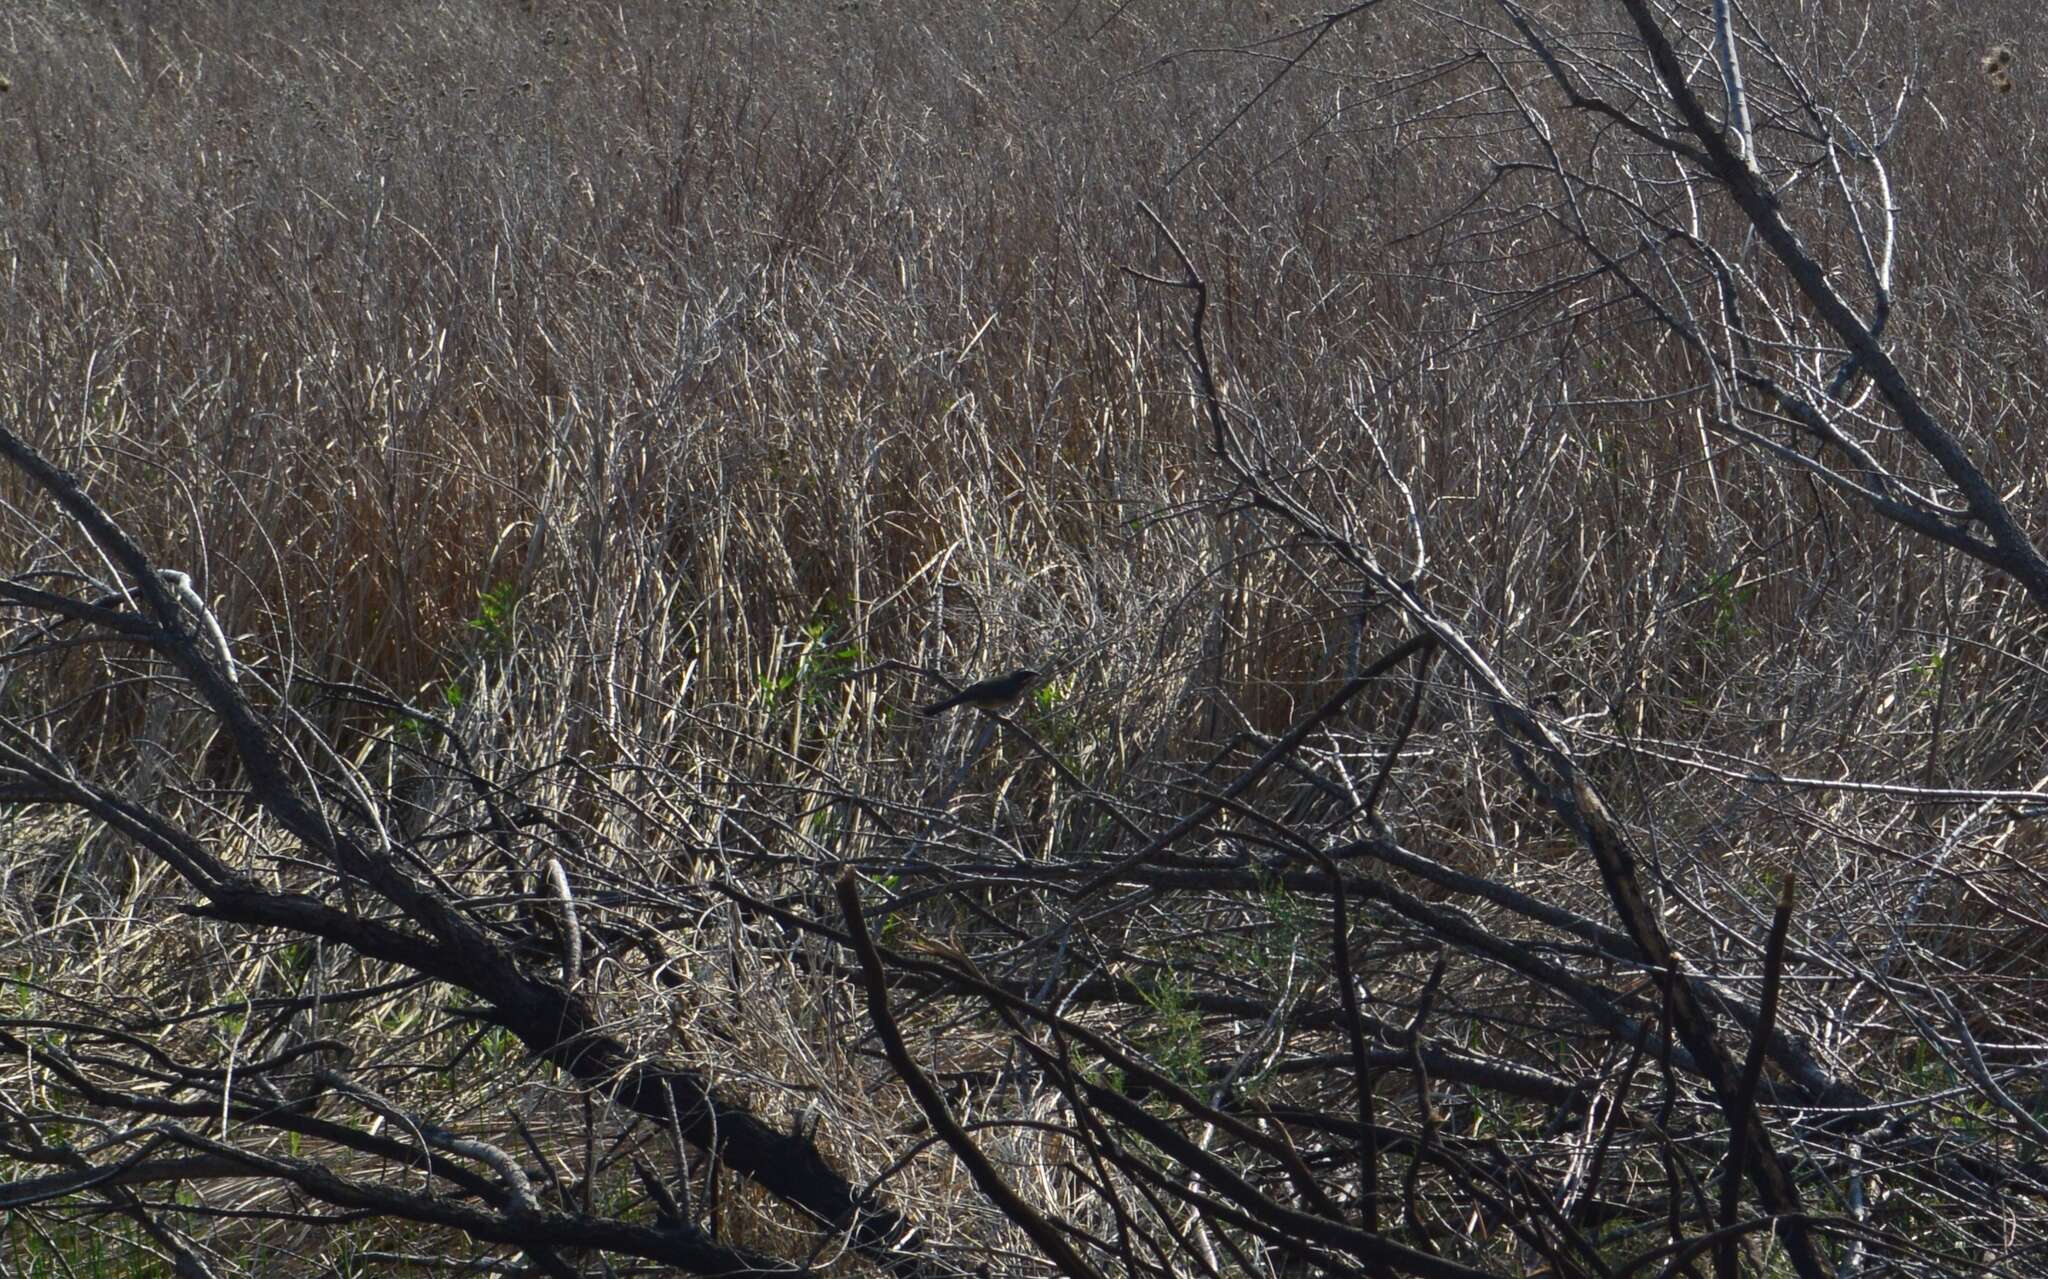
[988, 695]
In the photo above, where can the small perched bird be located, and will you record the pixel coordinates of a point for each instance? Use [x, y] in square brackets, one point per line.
[988, 695]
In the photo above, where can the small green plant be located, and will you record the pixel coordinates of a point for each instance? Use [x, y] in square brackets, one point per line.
[396, 1021]
[890, 929]
[494, 609]
[499, 1046]
[1053, 717]
[24, 999]
[74, 1250]
[1174, 1040]
[1926, 1072]
[408, 728]
[1730, 596]
[1293, 918]
[1931, 669]
[1106, 1075]
[1266, 948]
[823, 659]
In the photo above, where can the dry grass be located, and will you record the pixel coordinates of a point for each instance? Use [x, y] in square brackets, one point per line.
[629, 383]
